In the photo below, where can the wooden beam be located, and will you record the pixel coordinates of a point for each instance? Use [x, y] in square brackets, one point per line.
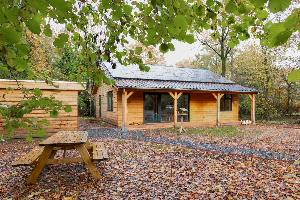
[179, 95]
[65, 160]
[175, 108]
[253, 108]
[216, 97]
[125, 108]
[88, 161]
[250, 96]
[219, 96]
[39, 165]
[130, 93]
[172, 95]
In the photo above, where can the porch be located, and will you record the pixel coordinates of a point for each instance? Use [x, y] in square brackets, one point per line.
[152, 109]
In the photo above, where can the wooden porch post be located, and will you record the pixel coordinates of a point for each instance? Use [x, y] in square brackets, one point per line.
[175, 97]
[123, 110]
[218, 97]
[125, 97]
[252, 97]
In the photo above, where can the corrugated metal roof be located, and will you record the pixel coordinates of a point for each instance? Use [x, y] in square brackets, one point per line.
[180, 85]
[167, 77]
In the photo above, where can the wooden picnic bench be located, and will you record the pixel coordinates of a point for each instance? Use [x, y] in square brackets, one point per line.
[65, 140]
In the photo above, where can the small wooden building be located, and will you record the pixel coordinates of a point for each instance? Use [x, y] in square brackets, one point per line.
[154, 97]
[67, 92]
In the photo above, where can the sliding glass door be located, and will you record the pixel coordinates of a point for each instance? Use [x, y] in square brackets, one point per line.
[158, 108]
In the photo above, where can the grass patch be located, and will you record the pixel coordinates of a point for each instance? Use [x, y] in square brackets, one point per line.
[121, 141]
[227, 131]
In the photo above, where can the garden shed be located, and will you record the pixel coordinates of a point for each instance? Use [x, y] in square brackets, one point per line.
[67, 92]
[153, 98]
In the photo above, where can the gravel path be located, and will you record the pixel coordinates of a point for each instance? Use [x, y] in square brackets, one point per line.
[138, 135]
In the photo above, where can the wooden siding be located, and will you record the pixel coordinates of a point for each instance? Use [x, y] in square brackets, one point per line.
[203, 109]
[135, 104]
[64, 121]
[107, 116]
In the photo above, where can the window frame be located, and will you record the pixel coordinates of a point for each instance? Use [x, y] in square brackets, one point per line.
[110, 104]
[223, 102]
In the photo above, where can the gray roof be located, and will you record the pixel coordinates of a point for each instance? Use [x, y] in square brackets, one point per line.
[170, 77]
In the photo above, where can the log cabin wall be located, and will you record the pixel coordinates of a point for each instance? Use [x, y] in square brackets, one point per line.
[203, 109]
[64, 121]
[135, 108]
[107, 115]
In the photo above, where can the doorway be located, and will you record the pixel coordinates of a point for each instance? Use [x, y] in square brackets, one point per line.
[158, 107]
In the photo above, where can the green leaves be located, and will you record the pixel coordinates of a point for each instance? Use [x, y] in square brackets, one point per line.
[9, 34]
[278, 34]
[258, 3]
[262, 14]
[180, 23]
[278, 5]
[138, 50]
[22, 50]
[210, 2]
[37, 92]
[106, 4]
[294, 75]
[189, 39]
[48, 32]
[127, 9]
[40, 133]
[33, 26]
[164, 47]
[28, 138]
[61, 40]
[68, 109]
[230, 7]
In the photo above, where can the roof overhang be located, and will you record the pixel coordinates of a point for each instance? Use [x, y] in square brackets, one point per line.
[189, 90]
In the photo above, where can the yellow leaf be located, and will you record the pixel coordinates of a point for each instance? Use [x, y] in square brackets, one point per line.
[289, 198]
[119, 189]
[67, 198]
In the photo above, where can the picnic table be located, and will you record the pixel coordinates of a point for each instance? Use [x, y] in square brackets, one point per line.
[64, 140]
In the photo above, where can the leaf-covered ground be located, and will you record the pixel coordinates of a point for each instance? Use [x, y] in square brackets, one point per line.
[263, 137]
[144, 170]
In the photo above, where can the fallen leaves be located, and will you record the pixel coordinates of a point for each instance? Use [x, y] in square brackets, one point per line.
[144, 170]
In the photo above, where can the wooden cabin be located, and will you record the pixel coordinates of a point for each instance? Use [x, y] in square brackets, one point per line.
[67, 92]
[153, 98]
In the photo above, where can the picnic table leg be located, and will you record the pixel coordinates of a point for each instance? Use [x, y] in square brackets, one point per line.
[39, 165]
[88, 161]
[52, 154]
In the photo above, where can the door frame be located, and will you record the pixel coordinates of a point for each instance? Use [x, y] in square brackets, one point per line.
[158, 107]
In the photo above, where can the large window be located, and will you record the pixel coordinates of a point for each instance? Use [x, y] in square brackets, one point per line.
[110, 101]
[226, 102]
[184, 102]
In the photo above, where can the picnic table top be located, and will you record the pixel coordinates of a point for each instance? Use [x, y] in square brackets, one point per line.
[66, 138]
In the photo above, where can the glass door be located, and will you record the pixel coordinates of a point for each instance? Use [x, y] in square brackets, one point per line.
[151, 108]
[167, 108]
[158, 108]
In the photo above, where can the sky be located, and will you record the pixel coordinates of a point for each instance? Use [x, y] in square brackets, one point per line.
[182, 51]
